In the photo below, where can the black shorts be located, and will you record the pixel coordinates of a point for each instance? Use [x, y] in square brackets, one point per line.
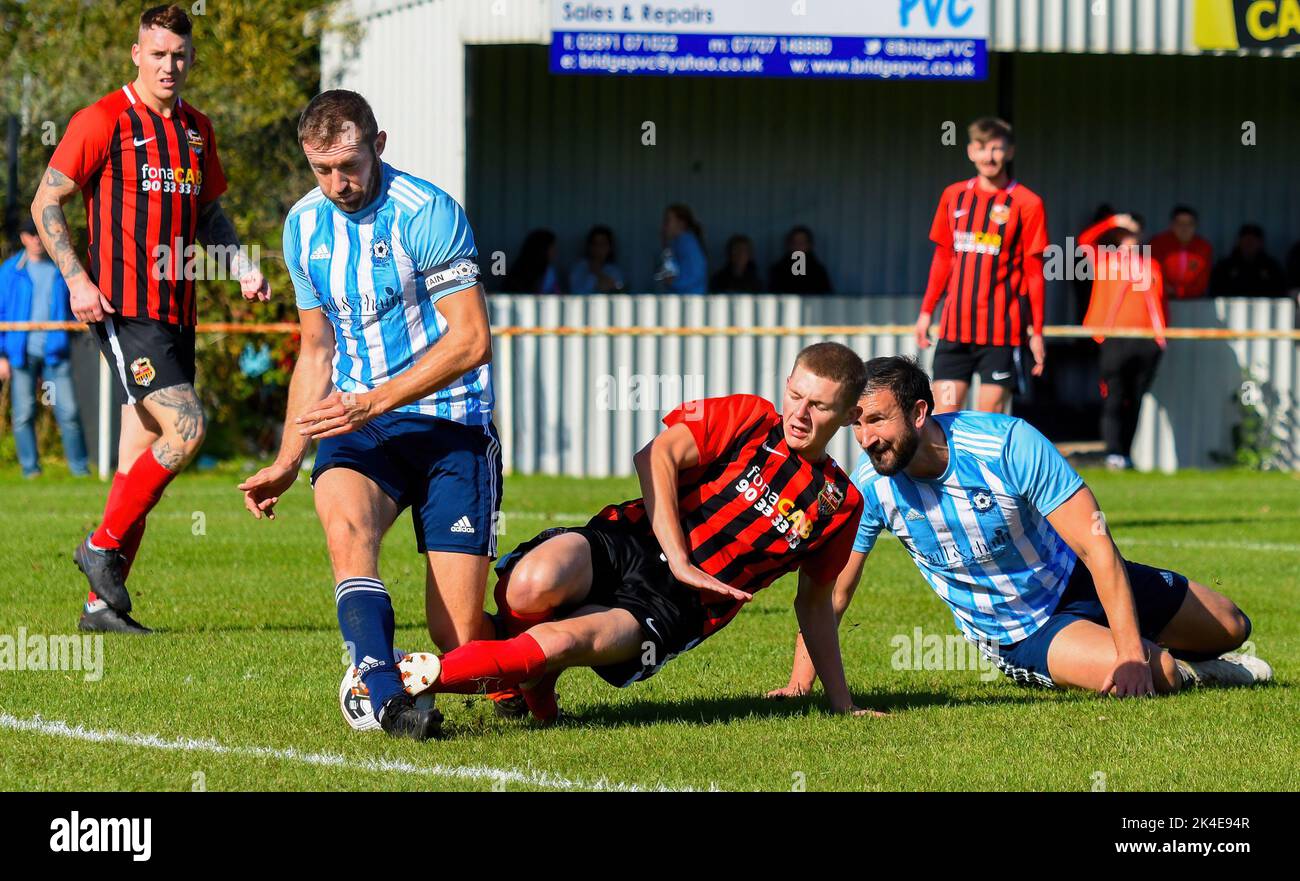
[960, 361]
[146, 355]
[630, 572]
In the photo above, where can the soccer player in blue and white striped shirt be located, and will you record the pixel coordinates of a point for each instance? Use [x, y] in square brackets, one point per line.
[1010, 537]
[394, 379]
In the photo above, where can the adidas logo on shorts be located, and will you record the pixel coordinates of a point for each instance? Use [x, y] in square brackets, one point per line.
[462, 525]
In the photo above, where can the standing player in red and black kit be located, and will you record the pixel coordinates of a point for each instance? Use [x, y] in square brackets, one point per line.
[735, 496]
[146, 165]
[989, 234]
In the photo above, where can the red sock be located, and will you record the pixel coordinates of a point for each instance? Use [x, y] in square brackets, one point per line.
[131, 545]
[141, 489]
[489, 665]
[541, 698]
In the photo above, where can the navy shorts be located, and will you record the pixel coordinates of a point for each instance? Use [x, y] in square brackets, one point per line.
[1157, 596]
[449, 475]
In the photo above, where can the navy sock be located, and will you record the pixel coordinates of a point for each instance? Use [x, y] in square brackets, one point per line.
[366, 619]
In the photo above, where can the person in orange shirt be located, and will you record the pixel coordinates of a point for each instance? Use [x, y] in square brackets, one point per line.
[1128, 291]
[1184, 257]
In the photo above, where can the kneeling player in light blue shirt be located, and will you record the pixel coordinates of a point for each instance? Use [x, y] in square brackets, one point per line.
[1010, 537]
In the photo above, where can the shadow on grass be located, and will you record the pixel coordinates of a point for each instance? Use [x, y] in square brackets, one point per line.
[234, 627]
[707, 711]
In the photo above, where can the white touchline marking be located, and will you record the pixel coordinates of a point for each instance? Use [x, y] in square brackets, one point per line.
[543, 779]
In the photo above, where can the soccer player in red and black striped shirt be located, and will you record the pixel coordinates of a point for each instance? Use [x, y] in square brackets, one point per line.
[146, 165]
[736, 495]
[989, 234]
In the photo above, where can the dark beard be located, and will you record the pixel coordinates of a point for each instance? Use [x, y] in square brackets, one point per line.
[902, 457]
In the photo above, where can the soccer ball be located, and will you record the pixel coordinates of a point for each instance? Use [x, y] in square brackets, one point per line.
[418, 671]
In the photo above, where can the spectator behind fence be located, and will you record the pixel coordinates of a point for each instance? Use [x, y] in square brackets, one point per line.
[533, 271]
[739, 275]
[1184, 257]
[683, 267]
[597, 272]
[799, 271]
[1128, 291]
[1249, 271]
[31, 289]
[1082, 287]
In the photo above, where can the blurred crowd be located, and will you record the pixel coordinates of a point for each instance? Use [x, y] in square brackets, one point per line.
[683, 265]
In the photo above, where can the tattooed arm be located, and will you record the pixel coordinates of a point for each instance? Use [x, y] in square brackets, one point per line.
[56, 188]
[216, 230]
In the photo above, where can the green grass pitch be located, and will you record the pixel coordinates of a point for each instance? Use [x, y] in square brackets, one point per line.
[237, 691]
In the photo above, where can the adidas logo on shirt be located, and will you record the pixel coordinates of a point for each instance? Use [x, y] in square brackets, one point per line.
[321, 252]
[913, 514]
[463, 525]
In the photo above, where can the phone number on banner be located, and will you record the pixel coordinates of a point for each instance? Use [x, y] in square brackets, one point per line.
[603, 52]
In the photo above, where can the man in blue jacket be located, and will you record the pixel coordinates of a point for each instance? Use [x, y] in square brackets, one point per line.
[31, 289]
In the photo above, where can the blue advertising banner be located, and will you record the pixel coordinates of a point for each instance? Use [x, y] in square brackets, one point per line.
[873, 39]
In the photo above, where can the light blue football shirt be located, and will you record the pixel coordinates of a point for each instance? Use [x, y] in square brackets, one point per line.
[377, 274]
[979, 532]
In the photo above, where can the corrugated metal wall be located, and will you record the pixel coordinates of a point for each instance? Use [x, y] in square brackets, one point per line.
[863, 162]
[1117, 26]
[583, 406]
[860, 162]
[410, 65]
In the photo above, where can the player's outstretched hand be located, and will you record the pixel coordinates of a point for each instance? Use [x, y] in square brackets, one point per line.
[1039, 350]
[263, 490]
[696, 578]
[922, 332]
[253, 285]
[339, 413]
[1130, 679]
[87, 302]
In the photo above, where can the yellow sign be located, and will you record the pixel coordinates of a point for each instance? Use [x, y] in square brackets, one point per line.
[1247, 24]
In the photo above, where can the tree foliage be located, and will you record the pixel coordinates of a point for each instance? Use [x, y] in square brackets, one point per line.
[257, 63]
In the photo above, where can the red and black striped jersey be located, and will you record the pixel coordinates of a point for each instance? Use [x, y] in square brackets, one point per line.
[144, 178]
[752, 510]
[990, 238]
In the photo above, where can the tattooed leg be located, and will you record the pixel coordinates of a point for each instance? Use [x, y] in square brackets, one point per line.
[180, 415]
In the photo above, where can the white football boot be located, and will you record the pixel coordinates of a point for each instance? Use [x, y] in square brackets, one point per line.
[1227, 670]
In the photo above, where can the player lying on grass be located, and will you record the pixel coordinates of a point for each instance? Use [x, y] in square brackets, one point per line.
[395, 380]
[735, 496]
[1008, 534]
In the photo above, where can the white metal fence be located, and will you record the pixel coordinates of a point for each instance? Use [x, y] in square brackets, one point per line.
[583, 405]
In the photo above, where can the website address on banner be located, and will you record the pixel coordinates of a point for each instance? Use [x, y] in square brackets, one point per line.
[1204, 848]
[884, 68]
